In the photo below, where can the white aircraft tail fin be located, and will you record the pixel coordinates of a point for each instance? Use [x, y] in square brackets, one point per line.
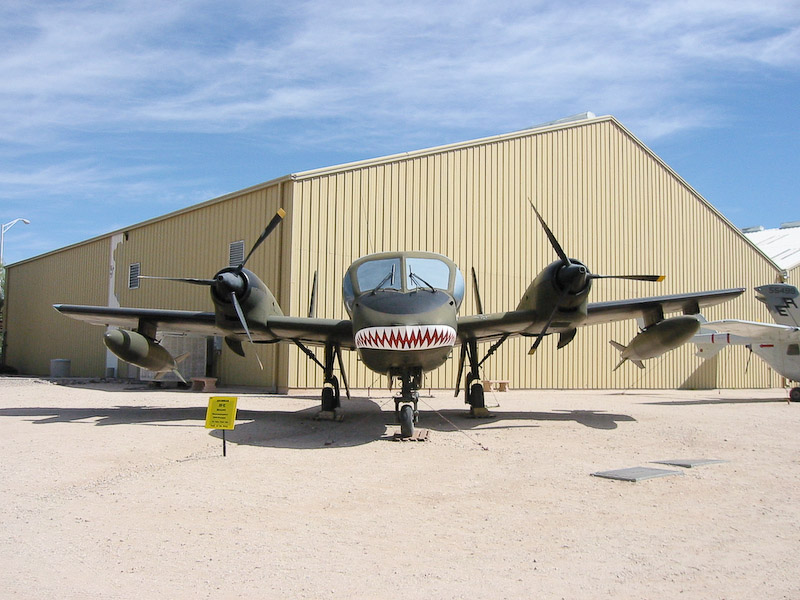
[782, 301]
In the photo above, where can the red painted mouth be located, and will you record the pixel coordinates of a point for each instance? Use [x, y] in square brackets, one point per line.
[406, 337]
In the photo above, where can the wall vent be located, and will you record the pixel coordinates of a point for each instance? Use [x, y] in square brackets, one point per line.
[133, 276]
[236, 253]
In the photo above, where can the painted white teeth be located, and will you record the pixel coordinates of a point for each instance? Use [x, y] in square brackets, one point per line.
[406, 337]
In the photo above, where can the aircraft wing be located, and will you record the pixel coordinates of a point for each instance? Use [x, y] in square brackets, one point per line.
[176, 321]
[313, 331]
[690, 304]
[492, 326]
[766, 332]
[308, 330]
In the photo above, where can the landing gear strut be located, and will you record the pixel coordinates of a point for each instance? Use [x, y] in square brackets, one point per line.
[405, 405]
[331, 409]
[474, 387]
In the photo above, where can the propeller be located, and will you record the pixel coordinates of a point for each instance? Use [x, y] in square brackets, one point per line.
[572, 277]
[276, 220]
[232, 283]
[181, 279]
[243, 321]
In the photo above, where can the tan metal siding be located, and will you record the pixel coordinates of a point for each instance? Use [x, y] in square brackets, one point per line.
[36, 333]
[196, 244]
[609, 201]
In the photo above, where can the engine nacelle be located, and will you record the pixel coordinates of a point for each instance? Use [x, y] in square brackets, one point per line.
[558, 285]
[139, 350]
[255, 298]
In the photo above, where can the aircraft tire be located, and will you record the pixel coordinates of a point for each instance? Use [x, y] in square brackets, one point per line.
[406, 420]
[330, 394]
[476, 396]
[794, 394]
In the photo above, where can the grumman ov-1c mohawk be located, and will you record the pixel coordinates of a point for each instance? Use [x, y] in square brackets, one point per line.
[404, 321]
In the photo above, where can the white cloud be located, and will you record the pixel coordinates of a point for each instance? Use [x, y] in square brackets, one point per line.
[186, 66]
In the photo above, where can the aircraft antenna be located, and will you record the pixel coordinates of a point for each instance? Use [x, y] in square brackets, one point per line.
[370, 244]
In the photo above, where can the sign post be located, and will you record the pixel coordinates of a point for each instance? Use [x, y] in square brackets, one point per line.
[221, 414]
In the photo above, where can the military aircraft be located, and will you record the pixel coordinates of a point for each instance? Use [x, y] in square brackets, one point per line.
[404, 321]
[777, 344]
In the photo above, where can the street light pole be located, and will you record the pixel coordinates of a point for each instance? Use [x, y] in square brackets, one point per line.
[6, 227]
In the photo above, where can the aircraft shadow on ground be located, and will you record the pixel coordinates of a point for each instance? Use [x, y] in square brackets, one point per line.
[365, 422]
[719, 401]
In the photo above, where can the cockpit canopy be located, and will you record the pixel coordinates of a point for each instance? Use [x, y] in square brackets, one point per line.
[402, 272]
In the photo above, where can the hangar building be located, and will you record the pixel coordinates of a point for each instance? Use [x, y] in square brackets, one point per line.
[611, 202]
[782, 245]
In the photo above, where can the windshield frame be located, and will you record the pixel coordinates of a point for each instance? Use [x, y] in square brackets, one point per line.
[431, 272]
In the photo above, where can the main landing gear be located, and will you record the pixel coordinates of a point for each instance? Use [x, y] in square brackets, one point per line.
[794, 394]
[331, 409]
[474, 388]
[405, 405]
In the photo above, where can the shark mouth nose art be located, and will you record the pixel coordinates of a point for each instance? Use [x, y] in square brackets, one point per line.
[406, 337]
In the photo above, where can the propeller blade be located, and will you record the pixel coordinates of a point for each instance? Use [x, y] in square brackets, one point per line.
[267, 230]
[749, 356]
[553, 241]
[338, 350]
[477, 292]
[191, 280]
[549, 321]
[630, 277]
[242, 320]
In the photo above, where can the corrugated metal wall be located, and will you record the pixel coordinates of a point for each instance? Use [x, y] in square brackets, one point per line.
[190, 243]
[195, 243]
[36, 333]
[610, 202]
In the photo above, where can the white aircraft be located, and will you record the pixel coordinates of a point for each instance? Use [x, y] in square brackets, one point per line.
[778, 344]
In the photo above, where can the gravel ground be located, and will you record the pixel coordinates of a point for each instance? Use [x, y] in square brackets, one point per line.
[114, 490]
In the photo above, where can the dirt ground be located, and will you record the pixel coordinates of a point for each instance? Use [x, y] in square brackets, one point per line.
[118, 491]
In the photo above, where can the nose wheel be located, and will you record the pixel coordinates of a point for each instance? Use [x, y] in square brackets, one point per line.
[407, 417]
[405, 405]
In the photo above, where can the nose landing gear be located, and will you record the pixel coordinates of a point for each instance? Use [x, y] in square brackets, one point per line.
[407, 415]
[405, 406]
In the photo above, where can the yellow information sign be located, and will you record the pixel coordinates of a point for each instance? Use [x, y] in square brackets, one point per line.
[221, 412]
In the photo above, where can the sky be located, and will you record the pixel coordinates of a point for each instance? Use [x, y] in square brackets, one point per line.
[116, 112]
